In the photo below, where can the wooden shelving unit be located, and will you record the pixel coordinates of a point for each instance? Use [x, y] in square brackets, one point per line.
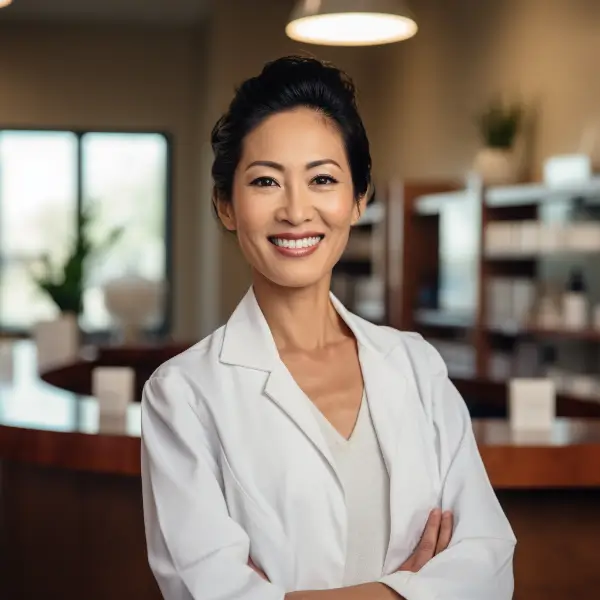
[417, 215]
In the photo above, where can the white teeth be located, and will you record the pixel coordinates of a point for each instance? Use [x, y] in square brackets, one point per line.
[301, 243]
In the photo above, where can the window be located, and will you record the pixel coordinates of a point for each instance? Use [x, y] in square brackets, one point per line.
[46, 179]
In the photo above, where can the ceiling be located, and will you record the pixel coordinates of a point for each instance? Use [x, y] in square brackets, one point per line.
[130, 11]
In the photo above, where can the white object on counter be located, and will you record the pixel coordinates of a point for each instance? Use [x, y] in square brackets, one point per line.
[56, 341]
[113, 387]
[532, 404]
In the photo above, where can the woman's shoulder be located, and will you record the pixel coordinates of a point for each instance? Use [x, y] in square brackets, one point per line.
[200, 358]
[412, 345]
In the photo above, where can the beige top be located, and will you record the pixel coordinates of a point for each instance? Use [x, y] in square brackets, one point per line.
[364, 476]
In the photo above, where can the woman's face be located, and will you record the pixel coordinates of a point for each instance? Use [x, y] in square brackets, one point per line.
[293, 200]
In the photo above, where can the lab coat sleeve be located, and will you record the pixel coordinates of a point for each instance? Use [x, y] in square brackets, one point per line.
[195, 550]
[477, 564]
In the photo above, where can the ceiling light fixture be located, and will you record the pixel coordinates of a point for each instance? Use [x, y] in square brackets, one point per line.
[351, 22]
[4, 3]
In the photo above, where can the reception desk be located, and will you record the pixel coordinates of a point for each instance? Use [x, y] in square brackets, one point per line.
[72, 524]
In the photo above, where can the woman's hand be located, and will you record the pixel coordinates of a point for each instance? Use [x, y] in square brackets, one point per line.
[257, 570]
[435, 539]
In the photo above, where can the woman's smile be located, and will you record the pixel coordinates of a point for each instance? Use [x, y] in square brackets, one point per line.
[296, 245]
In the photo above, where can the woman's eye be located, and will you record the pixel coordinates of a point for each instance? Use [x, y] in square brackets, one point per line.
[324, 180]
[264, 182]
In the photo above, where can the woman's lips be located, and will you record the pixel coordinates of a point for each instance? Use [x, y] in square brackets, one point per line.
[296, 246]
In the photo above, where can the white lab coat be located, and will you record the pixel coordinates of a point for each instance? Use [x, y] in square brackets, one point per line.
[234, 465]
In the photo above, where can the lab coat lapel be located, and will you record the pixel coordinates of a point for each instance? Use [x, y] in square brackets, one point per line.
[248, 342]
[282, 389]
[399, 421]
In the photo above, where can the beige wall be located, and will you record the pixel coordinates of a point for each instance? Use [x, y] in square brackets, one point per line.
[108, 76]
[468, 50]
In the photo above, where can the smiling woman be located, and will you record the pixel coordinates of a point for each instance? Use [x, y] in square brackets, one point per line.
[300, 452]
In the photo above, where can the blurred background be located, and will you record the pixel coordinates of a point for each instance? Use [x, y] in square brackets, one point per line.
[484, 236]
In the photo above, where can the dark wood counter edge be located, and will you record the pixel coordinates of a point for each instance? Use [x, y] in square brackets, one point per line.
[98, 453]
[542, 467]
[508, 466]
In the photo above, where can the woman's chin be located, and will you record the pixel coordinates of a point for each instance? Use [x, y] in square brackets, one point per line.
[296, 276]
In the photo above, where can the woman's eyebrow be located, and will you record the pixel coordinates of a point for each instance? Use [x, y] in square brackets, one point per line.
[279, 167]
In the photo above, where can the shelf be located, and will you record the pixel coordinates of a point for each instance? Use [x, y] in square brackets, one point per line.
[537, 193]
[590, 335]
[431, 204]
[515, 257]
[442, 318]
[498, 257]
[514, 195]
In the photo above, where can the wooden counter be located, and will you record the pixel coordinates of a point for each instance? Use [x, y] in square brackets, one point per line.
[71, 499]
[43, 425]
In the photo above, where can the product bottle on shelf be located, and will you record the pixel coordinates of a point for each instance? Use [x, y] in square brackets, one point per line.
[575, 302]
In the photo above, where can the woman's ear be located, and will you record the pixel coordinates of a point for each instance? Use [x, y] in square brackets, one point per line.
[226, 213]
[359, 207]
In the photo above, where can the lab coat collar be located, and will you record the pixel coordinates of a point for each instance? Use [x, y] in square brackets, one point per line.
[248, 341]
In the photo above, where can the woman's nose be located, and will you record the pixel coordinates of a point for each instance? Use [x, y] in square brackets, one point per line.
[296, 208]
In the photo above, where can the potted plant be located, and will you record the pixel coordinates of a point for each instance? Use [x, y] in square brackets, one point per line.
[499, 126]
[66, 285]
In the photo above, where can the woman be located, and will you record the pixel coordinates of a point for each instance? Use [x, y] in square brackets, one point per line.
[300, 452]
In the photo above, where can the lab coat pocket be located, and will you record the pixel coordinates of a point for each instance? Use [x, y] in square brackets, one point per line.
[269, 548]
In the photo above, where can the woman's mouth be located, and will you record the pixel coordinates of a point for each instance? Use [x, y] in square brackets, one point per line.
[296, 246]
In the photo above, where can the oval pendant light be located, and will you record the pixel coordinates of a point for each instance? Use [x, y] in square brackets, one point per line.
[351, 22]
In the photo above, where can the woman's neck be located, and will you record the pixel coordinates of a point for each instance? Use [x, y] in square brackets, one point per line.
[300, 319]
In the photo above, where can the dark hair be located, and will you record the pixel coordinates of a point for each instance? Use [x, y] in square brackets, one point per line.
[285, 84]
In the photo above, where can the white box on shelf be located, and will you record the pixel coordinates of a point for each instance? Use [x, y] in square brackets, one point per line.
[56, 341]
[532, 404]
[551, 238]
[583, 237]
[527, 236]
[523, 298]
[567, 169]
[499, 238]
[500, 300]
[113, 387]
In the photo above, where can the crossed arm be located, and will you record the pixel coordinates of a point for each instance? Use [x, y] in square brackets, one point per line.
[435, 539]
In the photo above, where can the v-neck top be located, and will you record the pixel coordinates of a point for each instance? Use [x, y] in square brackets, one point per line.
[366, 483]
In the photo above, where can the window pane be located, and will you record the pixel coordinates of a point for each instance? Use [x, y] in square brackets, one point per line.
[125, 182]
[38, 178]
